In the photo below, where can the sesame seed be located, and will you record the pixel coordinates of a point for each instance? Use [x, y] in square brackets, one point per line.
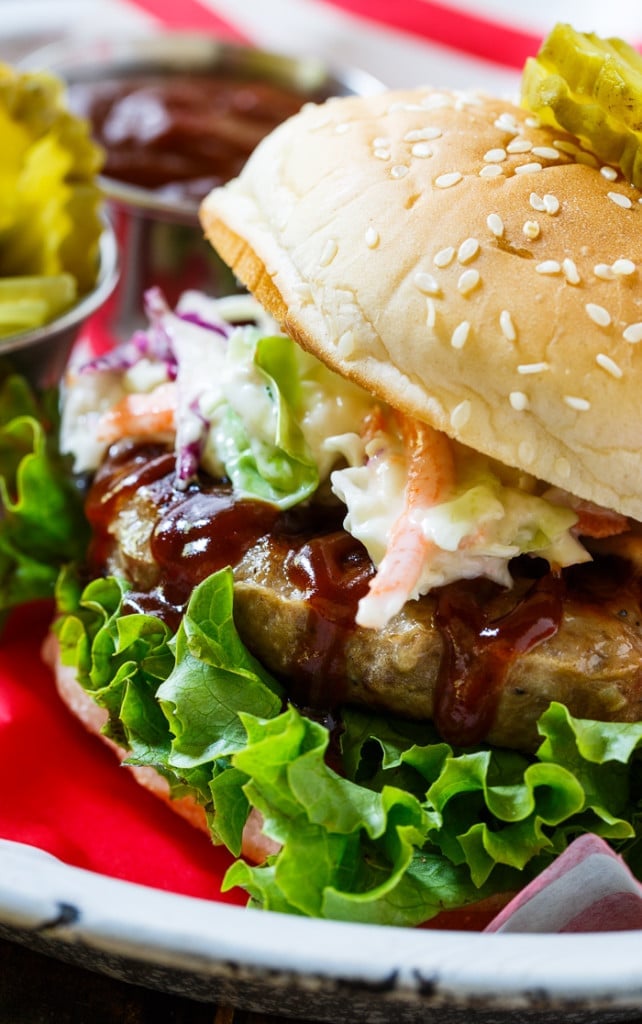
[399, 171]
[382, 154]
[518, 400]
[598, 314]
[527, 452]
[427, 283]
[431, 312]
[436, 101]
[495, 156]
[490, 171]
[422, 134]
[531, 228]
[532, 122]
[530, 168]
[346, 345]
[551, 204]
[620, 200]
[548, 267]
[495, 224]
[519, 146]
[342, 128]
[372, 238]
[609, 365]
[623, 267]
[528, 368]
[468, 250]
[421, 149]
[604, 271]
[460, 415]
[570, 271]
[633, 333]
[444, 257]
[507, 326]
[467, 98]
[546, 152]
[582, 157]
[382, 142]
[609, 173]
[537, 202]
[468, 281]
[460, 334]
[330, 250]
[448, 180]
[507, 123]
[579, 404]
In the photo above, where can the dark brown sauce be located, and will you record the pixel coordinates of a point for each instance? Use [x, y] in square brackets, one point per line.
[129, 468]
[192, 533]
[333, 572]
[482, 636]
[196, 532]
[205, 532]
[182, 133]
[485, 627]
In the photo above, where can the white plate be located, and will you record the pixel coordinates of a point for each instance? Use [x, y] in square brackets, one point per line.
[320, 969]
[327, 970]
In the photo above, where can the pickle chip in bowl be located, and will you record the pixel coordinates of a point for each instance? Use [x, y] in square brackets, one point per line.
[57, 255]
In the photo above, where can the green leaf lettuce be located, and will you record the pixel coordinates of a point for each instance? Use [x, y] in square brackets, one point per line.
[409, 825]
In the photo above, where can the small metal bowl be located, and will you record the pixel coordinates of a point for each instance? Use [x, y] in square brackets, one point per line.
[42, 353]
[161, 242]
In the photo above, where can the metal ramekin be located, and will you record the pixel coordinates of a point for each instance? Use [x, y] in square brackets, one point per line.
[41, 354]
[161, 243]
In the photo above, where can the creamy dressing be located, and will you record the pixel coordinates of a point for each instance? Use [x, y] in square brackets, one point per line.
[305, 428]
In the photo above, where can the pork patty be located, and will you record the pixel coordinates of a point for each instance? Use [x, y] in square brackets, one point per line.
[480, 661]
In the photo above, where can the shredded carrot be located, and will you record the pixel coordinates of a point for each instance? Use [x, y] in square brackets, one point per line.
[597, 522]
[140, 415]
[430, 477]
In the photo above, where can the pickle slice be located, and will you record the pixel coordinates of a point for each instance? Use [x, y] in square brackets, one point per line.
[592, 88]
[27, 302]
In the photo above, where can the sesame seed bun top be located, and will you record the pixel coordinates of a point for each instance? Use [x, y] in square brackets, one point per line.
[463, 263]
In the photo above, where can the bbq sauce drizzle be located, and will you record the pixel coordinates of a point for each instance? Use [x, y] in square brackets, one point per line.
[204, 529]
[333, 571]
[198, 531]
[481, 638]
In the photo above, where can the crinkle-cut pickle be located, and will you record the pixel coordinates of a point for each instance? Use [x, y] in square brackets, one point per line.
[27, 302]
[592, 88]
[50, 201]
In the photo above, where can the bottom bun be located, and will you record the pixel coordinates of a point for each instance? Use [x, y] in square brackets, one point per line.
[94, 718]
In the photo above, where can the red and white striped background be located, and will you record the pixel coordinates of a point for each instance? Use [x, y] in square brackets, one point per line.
[402, 42]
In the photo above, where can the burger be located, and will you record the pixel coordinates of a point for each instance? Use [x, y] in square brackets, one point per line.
[363, 584]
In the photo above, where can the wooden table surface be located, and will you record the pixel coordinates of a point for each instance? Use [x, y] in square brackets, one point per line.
[36, 989]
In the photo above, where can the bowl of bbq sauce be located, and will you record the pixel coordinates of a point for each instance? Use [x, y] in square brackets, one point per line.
[177, 115]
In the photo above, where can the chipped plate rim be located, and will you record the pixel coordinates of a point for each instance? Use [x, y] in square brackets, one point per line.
[192, 945]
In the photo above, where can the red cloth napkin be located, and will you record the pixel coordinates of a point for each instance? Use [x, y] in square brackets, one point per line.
[64, 791]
